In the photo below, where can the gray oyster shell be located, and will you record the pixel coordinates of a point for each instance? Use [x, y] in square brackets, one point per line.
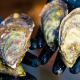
[15, 34]
[51, 17]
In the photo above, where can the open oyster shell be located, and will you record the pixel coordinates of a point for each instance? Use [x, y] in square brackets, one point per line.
[51, 17]
[69, 37]
[15, 33]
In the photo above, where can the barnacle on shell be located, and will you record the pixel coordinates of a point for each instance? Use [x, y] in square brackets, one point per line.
[69, 37]
[51, 17]
[15, 34]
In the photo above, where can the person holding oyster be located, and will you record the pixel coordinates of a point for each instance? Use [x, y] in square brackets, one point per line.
[17, 40]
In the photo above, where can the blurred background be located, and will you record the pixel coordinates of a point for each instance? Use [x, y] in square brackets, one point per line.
[33, 8]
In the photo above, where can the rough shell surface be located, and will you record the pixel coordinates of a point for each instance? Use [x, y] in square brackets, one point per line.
[69, 38]
[15, 34]
[18, 71]
[51, 17]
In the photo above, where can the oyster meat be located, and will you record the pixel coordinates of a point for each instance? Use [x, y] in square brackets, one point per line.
[15, 34]
[51, 17]
[69, 37]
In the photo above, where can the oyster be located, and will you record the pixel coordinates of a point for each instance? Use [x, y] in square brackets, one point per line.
[18, 71]
[15, 33]
[51, 17]
[69, 38]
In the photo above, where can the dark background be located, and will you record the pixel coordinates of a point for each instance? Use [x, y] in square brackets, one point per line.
[33, 8]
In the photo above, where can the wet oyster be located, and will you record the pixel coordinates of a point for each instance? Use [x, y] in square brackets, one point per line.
[51, 17]
[15, 33]
[69, 37]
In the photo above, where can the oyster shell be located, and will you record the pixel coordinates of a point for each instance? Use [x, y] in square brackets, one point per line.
[15, 34]
[69, 38]
[18, 71]
[51, 17]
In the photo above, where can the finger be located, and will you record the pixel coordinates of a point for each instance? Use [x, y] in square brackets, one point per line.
[7, 77]
[34, 44]
[46, 54]
[27, 77]
[49, 1]
[72, 4]
[31, 60]
[76, 68]
[38, 42]
[59, 66]
[40, 38]
[1, 19]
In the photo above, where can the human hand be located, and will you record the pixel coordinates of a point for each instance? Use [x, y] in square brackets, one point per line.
[59, 66]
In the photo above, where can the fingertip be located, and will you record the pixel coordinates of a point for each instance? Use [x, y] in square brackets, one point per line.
[76, 68]
[45, 54]
[48, 1]
[7, 77]
[1, 19]
[40, 42]
[58, 67]
[43, 59]
[35, 62]
[57, 70]
[33, 44]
